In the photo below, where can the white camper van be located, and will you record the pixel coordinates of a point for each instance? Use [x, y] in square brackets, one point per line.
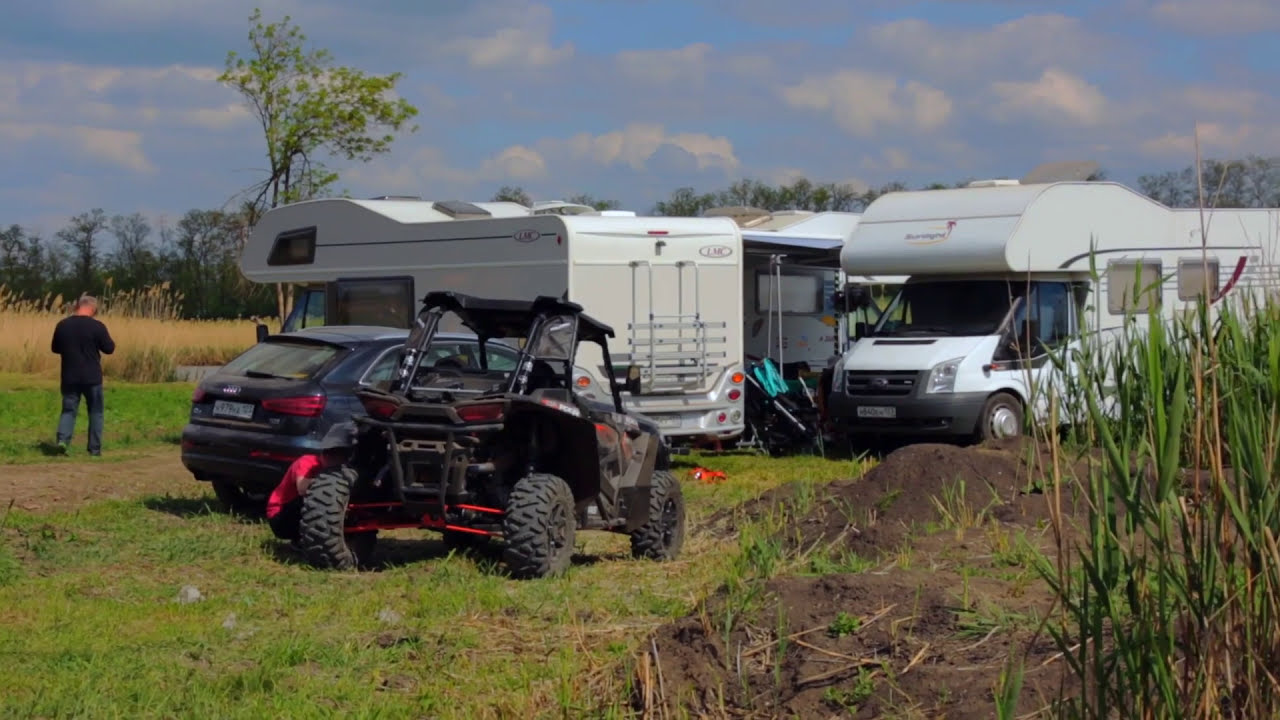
[998, 259]
[670, 287]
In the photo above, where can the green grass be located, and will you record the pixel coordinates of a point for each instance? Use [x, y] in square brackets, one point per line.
[136, 416]
[90, 626]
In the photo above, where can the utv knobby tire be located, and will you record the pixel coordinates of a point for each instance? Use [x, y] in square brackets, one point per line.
[539, 527]
[238, 501]
[662, 535]
[321, 530]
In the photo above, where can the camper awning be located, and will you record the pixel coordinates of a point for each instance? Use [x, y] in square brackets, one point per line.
[816, 248]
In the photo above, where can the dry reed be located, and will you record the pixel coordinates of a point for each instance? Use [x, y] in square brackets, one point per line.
[151, 339]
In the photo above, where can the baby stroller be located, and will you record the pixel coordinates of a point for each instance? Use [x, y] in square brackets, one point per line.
[781, 420]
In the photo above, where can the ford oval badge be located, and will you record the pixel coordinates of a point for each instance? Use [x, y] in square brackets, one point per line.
[527, 236]
[715, 251]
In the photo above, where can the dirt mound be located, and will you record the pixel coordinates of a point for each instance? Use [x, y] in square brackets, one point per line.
[918, 489]
[867, 645]
[953, 536]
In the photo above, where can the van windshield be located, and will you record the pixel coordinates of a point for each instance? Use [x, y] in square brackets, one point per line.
[949, 307]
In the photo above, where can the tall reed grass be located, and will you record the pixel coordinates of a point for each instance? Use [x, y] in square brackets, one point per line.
[1169, 586]
[151, 339]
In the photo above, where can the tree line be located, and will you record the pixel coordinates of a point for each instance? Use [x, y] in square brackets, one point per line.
[199, 254]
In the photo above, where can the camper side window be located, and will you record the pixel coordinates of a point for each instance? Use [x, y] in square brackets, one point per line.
[387, 302]
[1133, 286]
[789, 293]
[295, 247]
[1197, 277]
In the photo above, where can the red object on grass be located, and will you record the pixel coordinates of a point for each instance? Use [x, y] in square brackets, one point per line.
[292, 486]
[702, 474]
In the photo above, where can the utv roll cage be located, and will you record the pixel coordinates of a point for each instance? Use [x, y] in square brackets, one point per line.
[551, 328]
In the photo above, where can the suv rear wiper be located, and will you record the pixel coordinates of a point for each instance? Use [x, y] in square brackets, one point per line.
[261, 374]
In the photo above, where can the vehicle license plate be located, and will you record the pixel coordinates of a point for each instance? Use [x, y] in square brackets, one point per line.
[240, 411]
[668, 421]
[866, 411]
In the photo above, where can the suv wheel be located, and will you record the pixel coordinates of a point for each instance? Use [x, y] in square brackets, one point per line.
[663, 535]
[539, 528]
[321, 531]
[237, 500]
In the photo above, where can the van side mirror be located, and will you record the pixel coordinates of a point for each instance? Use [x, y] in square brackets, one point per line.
[262, 332]
[860, 330]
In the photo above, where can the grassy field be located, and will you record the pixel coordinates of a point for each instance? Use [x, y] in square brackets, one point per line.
[150, 339]
[90, 624]
[137, 416]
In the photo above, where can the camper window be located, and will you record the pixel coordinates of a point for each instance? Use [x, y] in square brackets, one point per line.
[308, 310]
[385, 302]
[296, 247]
[1050, 315]
[1133, 286]
[789, 293]
[1197, 277]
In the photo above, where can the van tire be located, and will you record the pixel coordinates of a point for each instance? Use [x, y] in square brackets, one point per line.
[1001, 413]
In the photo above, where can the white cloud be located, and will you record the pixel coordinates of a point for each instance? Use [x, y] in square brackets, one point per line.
[516, 162]
[122, 148]
[686, 65]
[637, 143]
[1225, 17]
[523, 46]
[1227, 140]
[1055, 97]
[960, 53]
[863, 102]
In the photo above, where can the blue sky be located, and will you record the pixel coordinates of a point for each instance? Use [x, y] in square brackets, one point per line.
[113, 103]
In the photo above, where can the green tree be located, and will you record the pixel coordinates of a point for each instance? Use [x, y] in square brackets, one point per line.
[515, 194]
[82, 238]
[310, 110]
[593, 201]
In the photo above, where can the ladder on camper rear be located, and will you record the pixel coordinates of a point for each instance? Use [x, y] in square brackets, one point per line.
[668, 341]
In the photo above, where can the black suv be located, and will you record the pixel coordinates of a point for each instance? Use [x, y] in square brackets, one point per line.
[276, 401]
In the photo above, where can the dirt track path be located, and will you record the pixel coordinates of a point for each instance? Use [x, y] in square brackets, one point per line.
[65, 485]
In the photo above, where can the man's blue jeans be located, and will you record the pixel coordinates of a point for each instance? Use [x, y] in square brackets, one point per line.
[71, 395]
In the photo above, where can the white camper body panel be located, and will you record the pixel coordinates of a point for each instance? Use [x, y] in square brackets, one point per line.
[1048, 239]
[600, 262]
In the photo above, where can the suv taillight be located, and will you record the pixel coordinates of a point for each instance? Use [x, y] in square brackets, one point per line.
[198, 396]
[305, 406]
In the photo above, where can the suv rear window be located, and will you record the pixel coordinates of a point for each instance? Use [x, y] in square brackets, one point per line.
[282, 358]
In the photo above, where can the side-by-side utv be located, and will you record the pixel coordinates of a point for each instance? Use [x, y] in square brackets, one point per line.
[480, 453]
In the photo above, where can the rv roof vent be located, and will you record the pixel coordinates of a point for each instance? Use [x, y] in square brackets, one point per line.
[560, 207]
[395, 197]
[993, 183]
[743, 215]
[460, 210]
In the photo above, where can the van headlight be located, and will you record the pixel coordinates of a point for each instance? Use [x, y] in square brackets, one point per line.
[838, 374]
[942, 377]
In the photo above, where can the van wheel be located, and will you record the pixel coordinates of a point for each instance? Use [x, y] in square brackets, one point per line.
[1001, 418]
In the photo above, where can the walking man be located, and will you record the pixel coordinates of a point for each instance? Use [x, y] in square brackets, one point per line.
[80, 339]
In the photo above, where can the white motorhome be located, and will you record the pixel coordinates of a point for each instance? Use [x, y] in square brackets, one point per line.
[1000, 261]
[670, 287]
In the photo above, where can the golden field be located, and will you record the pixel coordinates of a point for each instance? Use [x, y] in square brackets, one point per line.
[151, 340]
